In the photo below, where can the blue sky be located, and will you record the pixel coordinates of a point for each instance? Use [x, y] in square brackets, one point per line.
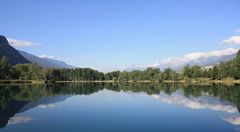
[115, 34]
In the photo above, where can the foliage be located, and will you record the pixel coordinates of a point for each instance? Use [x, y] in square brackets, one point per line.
[4, 68]
[230, 69]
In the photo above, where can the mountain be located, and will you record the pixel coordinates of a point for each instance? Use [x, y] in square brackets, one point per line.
[11, 53]
[21, 57]
[197, 58]
[45, 62]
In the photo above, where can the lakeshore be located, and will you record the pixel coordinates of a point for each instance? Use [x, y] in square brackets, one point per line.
[202, 81]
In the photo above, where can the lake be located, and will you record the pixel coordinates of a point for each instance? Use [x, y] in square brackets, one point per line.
[127, 107]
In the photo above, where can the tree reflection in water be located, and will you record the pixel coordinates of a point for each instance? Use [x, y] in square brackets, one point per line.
[19, 98]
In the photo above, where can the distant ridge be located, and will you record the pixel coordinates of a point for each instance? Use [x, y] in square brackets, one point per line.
[21, 57]
[45, 62]
[11, 53]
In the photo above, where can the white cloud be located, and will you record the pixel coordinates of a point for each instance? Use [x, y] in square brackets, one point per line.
[47, 56]
[19, 43]
[182, 60]
[19, 120]
[235, 120]
[45, 106]
[202, 102]
[233, 40]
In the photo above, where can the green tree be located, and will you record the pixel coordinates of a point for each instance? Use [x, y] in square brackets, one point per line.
[187, 71]
[196, 72]
[4, 68]
[124, 76]
[112, 75]
[214, 73]
[169, 74]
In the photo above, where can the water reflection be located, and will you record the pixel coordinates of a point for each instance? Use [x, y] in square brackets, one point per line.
[235, 120]
[201, 102]
[44, 102]
[19, 119]
[21, 98]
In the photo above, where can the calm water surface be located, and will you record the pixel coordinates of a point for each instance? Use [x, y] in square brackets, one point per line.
[99, 107]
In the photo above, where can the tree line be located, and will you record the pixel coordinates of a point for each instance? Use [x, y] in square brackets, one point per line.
[230, 69]
[35, 72]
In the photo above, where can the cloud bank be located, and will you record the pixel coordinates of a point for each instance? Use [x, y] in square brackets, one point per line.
[181, 60]
[233, 40]
[19, 43]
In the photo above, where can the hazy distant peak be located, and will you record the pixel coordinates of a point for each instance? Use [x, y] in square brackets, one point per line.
[45, 61]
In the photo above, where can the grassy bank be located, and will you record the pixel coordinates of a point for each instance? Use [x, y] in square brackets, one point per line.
[22, 82]
[200, 81]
